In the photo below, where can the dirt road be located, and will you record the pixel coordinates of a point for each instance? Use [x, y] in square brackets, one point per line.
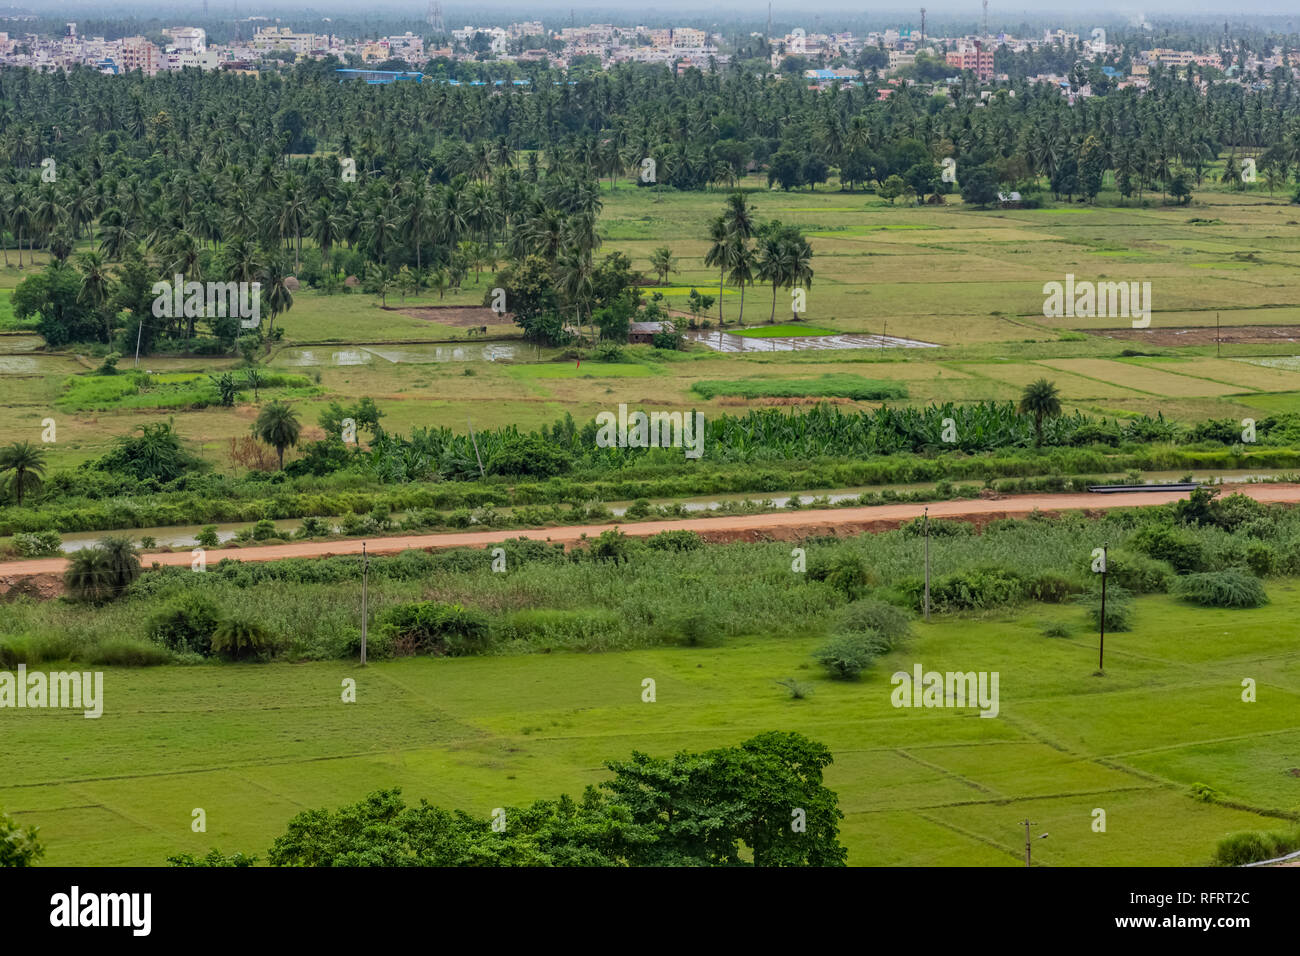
[780, 526]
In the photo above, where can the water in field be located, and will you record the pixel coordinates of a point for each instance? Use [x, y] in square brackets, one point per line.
[721, 341]
[405, 354]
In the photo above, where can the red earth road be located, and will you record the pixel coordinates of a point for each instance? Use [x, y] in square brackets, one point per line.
[783, 526]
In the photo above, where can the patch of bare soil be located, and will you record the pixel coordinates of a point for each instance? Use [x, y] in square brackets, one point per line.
[1201, 335]
[461, 316]
[39, 586]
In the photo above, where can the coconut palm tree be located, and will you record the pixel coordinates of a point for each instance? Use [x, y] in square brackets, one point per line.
[662, 262]
[1042, 400]
[278, 426]
[716, 255]
[740, 268]
[27, 462]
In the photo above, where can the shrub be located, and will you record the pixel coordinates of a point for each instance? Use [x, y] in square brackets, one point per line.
[1237, 849]
[1054, 629]
[1051, 587]
[1261, 558]
[891, 624]
[18, 845]
[187, 624]
[680, 540]
[265, 529]
[1228, 588]
[638, 509]
[313, 527]
[435, 628]
[844, 571]
[980, 588]
[38, 544]
[797, 690]
[1184, 552]
[1119, 608]
[239, 637]
[1137, 572]
[845, 656]
[207, 537]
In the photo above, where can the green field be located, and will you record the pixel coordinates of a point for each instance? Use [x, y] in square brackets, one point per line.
[968, 280]
[254, 744]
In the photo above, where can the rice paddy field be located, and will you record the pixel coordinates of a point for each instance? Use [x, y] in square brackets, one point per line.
[966, 280]
[252, 745]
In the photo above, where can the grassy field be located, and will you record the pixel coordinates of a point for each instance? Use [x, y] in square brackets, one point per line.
[252, 745]
[968, 280]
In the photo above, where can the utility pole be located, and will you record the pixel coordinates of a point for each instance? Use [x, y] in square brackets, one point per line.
[365, 595]
[1218, 342]
[922, 28]
[927, 563]
[1041, 836]
[1101, 645]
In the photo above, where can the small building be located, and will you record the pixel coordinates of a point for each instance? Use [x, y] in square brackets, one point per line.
[643, 333]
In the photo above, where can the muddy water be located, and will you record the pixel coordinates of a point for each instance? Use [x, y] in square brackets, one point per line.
[721, 341]
[413, 355]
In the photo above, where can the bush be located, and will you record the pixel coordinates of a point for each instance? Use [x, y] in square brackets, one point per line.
[207, 537]
[187, 624]
[980, 588]
[845, 571]
[434, 628]
[1051, 587]
[1054, 629]
[1232, 588]
[38, 544]
[1184, 552]
[797, 690]
[1119, 608]
[1261, 558]
[845, 656]
[680, 540]
[237, 638]
[1237, 849]
[265, 529]
[891, 624]
[1137, 572]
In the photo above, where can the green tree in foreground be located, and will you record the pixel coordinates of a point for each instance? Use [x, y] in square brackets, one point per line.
[18, 845]
[278, 426]
[762, 803]
[1042, 400]
[27, 462]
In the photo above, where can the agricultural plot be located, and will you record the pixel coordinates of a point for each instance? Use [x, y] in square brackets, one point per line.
[255, 744]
